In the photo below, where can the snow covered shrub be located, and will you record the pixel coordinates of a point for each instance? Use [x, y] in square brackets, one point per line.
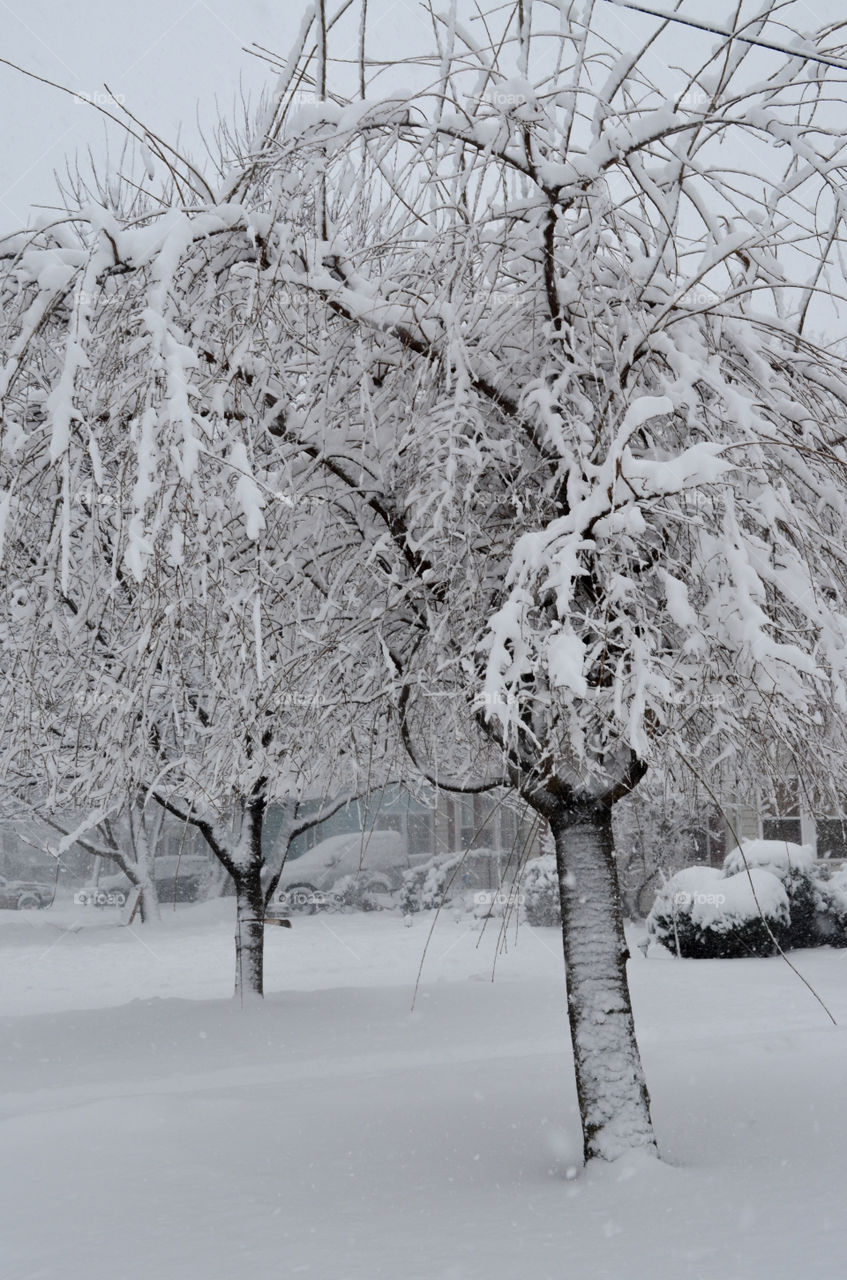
[831, 922]
[793, 865]
[358, 893]
[818, 909]
[702, 914]
[806, 907]
[706, 912]
[837, 885]
[669, 920]
[540, 889]
[483, 877]
[428, 886]
[780, 857]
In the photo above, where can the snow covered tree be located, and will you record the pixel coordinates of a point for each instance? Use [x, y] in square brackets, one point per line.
[177, 606]
[127, 838]
[544, 328]
[128, 841]
[561, 339]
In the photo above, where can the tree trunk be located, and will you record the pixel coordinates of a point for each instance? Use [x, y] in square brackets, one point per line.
[148, 902]
[141, 873]
[249, 934]
[613, 1101]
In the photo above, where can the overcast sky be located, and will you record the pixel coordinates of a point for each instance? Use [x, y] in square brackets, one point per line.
[169, 60]
[174, 59]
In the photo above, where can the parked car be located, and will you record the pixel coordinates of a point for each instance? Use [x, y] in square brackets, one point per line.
[177, 879]
[375, 860]
[23, 895]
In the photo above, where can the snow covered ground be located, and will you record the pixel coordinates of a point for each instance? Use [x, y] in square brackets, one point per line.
[153, 1131]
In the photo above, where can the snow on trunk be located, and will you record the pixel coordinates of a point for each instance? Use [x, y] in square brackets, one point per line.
[613, 1099]
[247, 861]
[141, 872]
[148, 902]
[249, 934]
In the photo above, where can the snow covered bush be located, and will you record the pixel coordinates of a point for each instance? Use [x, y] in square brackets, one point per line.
[795, 867]
[780, 857]
[702, 914]
[831, 921]
[540, 890]
[768, 892]
[818, 916]
[359, 892]
[483, 878]
[429, 886]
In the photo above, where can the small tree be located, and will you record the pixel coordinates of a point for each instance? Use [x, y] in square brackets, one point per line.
[129, 841]
[176, 612]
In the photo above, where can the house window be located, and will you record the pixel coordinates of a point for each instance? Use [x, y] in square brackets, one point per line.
[386, 822]
[781, 813]
[420, 832]
[782, 829]
[832, 837]
[467, 828]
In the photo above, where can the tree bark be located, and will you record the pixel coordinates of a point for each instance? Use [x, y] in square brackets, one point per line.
[141, 872]
[613, 1101]
[148, 902]
[249, 934]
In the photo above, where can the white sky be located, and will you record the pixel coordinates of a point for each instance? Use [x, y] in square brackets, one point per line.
[173, 59]
[170, 59]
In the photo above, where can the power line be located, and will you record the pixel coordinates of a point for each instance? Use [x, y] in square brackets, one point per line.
[686, 21]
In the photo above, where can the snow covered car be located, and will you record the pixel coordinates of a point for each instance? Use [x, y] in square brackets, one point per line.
[177, 879]
[23, 895]
[374, 861]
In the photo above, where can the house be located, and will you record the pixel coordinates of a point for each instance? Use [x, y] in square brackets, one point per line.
[789, 813]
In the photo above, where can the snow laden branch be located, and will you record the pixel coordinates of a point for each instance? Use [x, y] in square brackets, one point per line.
[724, 552]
